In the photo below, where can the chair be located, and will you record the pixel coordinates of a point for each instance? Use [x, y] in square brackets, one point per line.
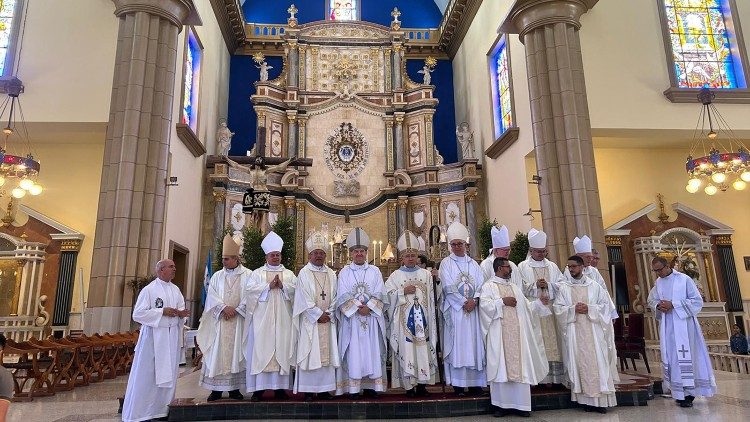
[633, 344]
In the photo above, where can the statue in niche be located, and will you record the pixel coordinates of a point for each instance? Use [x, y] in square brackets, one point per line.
[224, 138]
[465, 138]
[427, 79]
[264, 67]
[439, 160]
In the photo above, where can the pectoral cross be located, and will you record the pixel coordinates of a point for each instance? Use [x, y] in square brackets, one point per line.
[683, 351]
[323, 295]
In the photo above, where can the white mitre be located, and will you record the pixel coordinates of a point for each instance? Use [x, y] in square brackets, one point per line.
[457, 231]
[317, 240]
[537, 239]
[500, 238]
[357, 238]
[582, 245]
[408, 241]
[272, 243]
[229, 247]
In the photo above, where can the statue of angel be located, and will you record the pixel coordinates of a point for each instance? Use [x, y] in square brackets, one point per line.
[426, 72]
[264, 67]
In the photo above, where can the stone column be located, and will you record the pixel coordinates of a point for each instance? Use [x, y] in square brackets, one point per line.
[564, 151]
[130, 220]
[402, 215]
[471, 222]
[396, 69]
[399, 129]
[293, 63]
[292, 147]
[301, 136]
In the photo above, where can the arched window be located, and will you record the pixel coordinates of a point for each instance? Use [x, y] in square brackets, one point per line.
[343, 10]
[506, 130]
[10, 13]
[704, 45]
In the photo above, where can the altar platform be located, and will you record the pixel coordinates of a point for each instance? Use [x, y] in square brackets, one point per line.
[633, 390]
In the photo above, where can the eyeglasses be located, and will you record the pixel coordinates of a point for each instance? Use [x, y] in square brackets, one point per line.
[455, 245]
[656, 270]
[573, 266]
[505, 266]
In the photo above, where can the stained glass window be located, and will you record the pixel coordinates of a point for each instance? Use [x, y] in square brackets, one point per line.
[701, 44]
[342, 10]
[193, 55]
[7, 12]
[501, 90]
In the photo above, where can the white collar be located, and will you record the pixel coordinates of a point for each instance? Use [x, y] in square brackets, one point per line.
[357, 267]
[279, 267]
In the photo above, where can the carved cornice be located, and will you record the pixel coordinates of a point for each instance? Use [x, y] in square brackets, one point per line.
[455, 24]
[613, 240]
[70, 245]
[526, 15]
[231, 22]
[724, 240]
[179, 12]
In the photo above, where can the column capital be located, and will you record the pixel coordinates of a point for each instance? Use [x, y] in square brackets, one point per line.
[179, 12]
[527, 15]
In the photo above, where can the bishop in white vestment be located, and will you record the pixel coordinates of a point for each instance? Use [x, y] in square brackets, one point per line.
[221, 333]
[413, 332]
[315, 350]
[361, 315]
[160, 309]
[515, 349]
[583, 310]
[676, 303]
[540, 280]
[500, 249]
[463, 347]
[269, 317]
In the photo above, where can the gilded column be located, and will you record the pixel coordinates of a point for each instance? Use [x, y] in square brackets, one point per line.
[302, 69]
[130, 218]
[564, 150]
[403, 204]
[389, 155]
[292, 145]
[293, 62]
[392, 229]
[399, 150]
[396, 69]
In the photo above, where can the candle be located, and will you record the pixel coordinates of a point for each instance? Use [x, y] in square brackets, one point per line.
[331, 245]
[380, 250]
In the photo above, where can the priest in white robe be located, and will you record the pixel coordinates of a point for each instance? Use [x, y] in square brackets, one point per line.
[676, 303]
[221, 333]
[463, 347]
[583, 310]
[315, 350]
[540, 280]
[269, 317]
[413, 330]
[362, 330]
[500, 249]
[160, 309]
[515, 349]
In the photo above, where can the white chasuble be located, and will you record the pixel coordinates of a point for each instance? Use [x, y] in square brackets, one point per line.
[413, 331]
[463, 347]
[153, 377]
[585, 348]
[315, 345]
[685, 361]
[362, 340]
[223, 342]
[269, 332]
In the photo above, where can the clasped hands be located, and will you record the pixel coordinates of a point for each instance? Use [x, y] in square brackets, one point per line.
[665, 306]
[325, 318]
[276, 283]
[469, 305]
[172, 312]
[228, 313]
[582, 308]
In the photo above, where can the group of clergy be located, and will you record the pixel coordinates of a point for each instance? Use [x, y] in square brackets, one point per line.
[501, 325]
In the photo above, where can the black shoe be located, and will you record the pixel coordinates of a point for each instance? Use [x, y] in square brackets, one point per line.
[411, 393]
[601, 410]
[370, 394]
[689, 399]
[523, 413]
[355, 396]
[475, 391]
[459, 391]
[280, 395]
[309, 397]
[236, 395]
[500, 412]
[215, 395]
[422, 391]
[325, 396]
[685, 403]
[257, 396]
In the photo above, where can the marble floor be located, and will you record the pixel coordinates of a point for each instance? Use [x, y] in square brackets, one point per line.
[98, 402]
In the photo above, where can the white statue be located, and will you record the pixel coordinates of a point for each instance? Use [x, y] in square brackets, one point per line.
[426, 72]
[264, 67]
[224, 138]
[438, 158]
[258, 177]
[465, 137]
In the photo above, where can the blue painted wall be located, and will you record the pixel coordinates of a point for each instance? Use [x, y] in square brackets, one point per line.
[444, 122]
[414, 13]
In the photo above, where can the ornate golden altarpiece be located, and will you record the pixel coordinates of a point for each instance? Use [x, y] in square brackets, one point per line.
[344, 101]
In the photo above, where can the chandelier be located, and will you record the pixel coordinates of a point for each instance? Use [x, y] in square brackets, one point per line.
[17, 172]
[720, 165]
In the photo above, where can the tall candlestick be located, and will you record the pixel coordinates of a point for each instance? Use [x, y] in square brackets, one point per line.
[331, 245]
[380, 250]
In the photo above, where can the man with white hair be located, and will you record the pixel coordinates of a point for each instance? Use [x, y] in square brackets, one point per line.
[314, 344]
[413, 333]
[541, 278]
[463, 347]
[269, 331]
[221, 333]
[359, 304]
[500, 249]
[160, 309]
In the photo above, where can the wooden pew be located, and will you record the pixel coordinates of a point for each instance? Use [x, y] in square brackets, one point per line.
[63, 358]
[32, 369]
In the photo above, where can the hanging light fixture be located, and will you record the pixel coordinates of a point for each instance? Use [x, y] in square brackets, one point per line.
[21, 170]
[722, 165]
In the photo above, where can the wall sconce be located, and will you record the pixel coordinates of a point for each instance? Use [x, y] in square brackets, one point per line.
[530, 213]
[172, 181]
[536, 180]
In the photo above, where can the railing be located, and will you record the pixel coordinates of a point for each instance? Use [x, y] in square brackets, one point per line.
[421, 36]
[264, 32]
[722, 359]
[20, 328]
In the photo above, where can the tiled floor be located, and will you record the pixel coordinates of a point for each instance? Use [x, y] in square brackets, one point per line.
[98, 402]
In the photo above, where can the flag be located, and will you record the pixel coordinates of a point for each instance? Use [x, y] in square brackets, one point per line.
[206, 279]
